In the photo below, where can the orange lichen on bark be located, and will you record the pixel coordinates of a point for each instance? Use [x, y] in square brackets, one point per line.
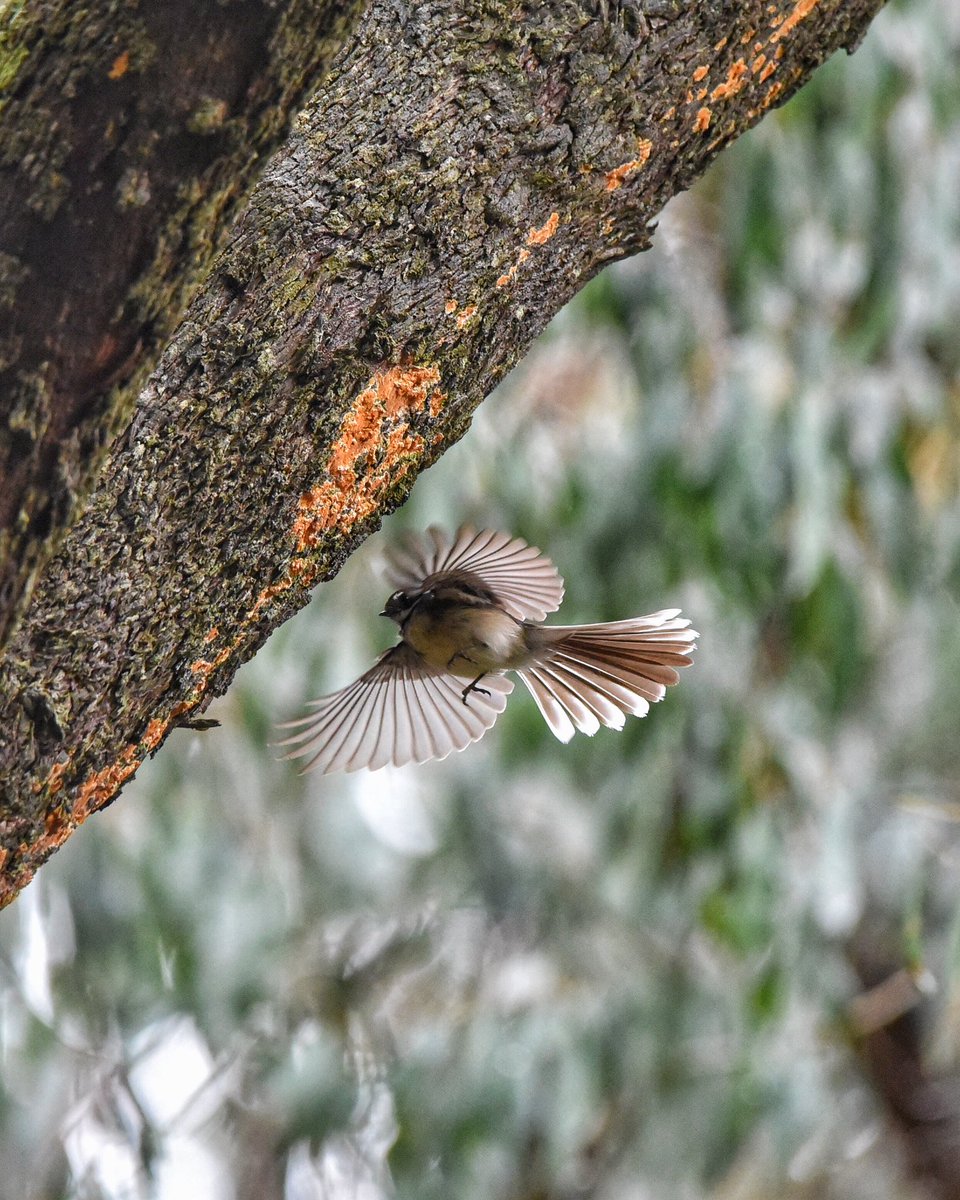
[732, 84]
[363, 462]
[762, 65]
[401, 443]
[358, 433]
[511, 274]
[103, 785]
[720, 45]
[331, 506]
[375, 447]
[405, 389]
[54, 780]
[537, 237]
[801, 10]
[121, 64]
[55, 819]
[464, 317]
[10, 889]
[205, 667]
[700, 73]
[614, 179]
[450, 307]
[58, 824]
[317, 511]
[155, 733]
[57, 827]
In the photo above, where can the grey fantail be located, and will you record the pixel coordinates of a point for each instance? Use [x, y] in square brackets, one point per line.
[469, 608]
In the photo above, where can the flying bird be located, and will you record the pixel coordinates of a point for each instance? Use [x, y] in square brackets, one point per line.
[469, 608]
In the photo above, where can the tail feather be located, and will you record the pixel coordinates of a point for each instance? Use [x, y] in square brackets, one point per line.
[630, 679]
[605, 698]
[630, 697]
[654, 670]
[574, 701]
[586, 676]
[554, 712]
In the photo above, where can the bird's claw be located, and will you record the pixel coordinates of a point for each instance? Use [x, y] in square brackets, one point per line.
[473, 687]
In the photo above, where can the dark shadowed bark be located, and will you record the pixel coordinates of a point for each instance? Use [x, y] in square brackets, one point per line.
[460, 173]
[128, 135]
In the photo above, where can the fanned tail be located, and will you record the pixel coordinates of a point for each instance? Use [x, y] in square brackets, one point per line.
[586, 676]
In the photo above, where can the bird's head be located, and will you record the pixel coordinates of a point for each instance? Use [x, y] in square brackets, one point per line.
[400, 605]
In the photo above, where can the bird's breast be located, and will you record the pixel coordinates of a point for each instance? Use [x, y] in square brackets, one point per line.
[465, 640]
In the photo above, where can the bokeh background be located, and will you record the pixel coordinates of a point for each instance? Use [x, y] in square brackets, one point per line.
[713, 956]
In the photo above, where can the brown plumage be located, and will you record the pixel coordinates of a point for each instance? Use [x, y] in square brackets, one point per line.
[469, 608]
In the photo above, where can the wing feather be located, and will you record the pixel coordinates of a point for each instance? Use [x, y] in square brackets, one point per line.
[399, 711]
[525, 581]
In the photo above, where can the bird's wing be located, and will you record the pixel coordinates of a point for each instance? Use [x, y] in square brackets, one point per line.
[399, 711]
[524, 581]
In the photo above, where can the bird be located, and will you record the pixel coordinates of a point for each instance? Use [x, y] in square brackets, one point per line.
[469, 606]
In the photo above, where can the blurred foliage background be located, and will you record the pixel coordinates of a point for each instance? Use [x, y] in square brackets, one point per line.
[713, 956]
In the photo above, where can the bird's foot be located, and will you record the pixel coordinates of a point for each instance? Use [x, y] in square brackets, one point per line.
[473, 687]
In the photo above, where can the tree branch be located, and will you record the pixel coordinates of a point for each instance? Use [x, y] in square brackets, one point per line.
[461, 173]
[130, 135]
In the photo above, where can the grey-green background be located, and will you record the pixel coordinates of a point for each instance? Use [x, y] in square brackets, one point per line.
[706, 957]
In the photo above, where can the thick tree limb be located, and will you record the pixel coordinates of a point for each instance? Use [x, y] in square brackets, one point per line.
[463, 170]
[128, 135]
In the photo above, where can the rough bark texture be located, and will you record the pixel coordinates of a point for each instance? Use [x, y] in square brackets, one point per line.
[464, 169]
[128, 133]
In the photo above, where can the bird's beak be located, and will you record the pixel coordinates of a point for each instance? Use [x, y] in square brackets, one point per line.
[383, 613]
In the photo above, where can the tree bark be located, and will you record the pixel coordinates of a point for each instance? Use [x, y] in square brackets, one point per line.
[462, 171]
[128, 137]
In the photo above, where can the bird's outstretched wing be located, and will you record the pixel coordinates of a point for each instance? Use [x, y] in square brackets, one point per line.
[524, 581]
[399, 711]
